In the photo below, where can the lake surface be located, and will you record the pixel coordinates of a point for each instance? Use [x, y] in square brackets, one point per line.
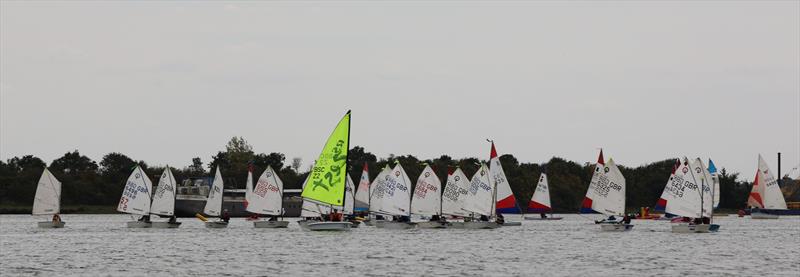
[101, 245]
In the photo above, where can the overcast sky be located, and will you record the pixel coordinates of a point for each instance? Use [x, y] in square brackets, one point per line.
[167, 81]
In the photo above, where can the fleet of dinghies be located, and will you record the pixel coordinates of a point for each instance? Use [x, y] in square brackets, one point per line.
[691, 194]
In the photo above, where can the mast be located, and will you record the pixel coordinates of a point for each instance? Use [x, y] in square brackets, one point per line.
[346, 167]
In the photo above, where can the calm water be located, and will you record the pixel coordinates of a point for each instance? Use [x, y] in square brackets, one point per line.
[100, 245]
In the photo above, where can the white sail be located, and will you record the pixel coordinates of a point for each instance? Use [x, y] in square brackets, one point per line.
[311, 209]
[164, 195]
[540, 201]
[704, 178]
[214, 201]
[714, 182]
[136, 195]
[506, 202]
[48, 195]
[480, 193]
[267, 196]
[606, 192]
[393, 197]
[684, 192]
[766, 193]
[349, 198]
[362, 194]
[374, 202]
[455, 192]
[674, 187]
[427, 194]
[248, 189]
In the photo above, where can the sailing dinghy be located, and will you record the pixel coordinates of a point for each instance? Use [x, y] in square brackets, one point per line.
[267, 199]
[480, 201]
[506, 202]
[135, 198]
[394, 199]
[427, 200]
[765, 195]
[164, 201]
[455, 192]
[691, 198]
[310, 211]
[540, 201]
[326, 183]
[361, 203]
[214, 203]
[606, 195]
[48, 200]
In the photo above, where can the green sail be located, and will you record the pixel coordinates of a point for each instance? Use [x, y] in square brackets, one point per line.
[326, 182]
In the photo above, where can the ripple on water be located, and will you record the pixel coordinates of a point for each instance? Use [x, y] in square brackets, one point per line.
[101, 245]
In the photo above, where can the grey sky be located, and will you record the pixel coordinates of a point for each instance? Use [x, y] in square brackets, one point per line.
[167, 81]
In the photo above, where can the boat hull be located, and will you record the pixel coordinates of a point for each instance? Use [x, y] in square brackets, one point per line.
[391, 225]
[540, 218]
[50, 224]
[685, 228]
[432, 225]
[481, 225]
[270, 224]
[369, 222]
[139, 224]
[165, 225]
[512, 224]
[456, 225]
[328, 226]
[216, 224]
[762, 215]
[615, 227]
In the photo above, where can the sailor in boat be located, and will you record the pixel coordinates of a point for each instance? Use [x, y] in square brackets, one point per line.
[500, 219]
[56, 219]
[273, 218]
[225, 216]
[627, 219]
[610, 219]
[543, 215]
[435, 217]
[335, 216]
[173, 219]
[145, 218]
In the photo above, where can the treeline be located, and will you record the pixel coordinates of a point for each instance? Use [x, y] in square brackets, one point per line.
[86, 182]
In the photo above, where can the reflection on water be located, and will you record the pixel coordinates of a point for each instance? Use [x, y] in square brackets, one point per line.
[101, 245]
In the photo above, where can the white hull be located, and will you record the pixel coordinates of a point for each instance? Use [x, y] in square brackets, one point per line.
[50, 224]
[328, 226]
[481, 225]
[270, 224]
[760, 215]
[165, 225]
[540, 218]
[432, 225]
[690, 228]
[512, 223]
[396, 225]
[216, 224]
[456, 225]
[139, 224]
[615, 227]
